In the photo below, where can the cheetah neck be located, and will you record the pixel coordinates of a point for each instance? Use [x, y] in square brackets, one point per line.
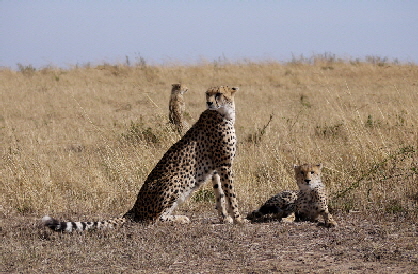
[228, 112]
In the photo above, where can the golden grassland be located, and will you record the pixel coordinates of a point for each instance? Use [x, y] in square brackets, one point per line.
[82, 140]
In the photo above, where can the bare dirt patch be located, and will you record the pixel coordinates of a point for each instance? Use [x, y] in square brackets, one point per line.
[360, 244]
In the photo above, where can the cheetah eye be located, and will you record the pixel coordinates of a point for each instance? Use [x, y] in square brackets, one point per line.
[312, 172]
[301, 172]
[218, 94]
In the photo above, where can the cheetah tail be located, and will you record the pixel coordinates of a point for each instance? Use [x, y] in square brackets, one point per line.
[81, 226]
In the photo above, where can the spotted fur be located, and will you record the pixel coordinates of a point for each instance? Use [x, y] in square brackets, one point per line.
[276, 208]
[205, 152]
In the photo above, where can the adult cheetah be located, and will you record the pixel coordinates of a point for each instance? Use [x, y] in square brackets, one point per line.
[205, 152]
[177, 107]
[307, 204]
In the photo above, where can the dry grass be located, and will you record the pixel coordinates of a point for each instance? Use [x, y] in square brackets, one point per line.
[81, 141]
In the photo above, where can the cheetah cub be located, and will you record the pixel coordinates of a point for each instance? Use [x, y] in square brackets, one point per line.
[206, 152]
[307, 204]
[177, 107]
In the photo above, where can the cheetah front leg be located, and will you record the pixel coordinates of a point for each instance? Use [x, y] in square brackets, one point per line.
[323, 210]
[227, 184]
[220, 199]
[328, 220]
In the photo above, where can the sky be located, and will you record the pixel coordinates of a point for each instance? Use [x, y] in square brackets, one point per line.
[67, 33]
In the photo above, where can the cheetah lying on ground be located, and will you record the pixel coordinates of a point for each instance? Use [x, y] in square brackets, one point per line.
[307, 204]
[205, 152]
[177, 107]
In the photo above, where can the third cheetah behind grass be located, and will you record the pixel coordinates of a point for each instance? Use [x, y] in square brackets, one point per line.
[307, 204]
[177, 107]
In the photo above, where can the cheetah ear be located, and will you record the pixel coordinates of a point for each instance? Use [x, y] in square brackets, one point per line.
[234, 89]
[320, 165]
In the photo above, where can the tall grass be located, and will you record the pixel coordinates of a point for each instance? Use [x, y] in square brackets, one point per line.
[83, 140]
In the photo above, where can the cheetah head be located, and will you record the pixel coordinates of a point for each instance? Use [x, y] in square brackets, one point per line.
[221, 99]
[178, 89]
[308, 176]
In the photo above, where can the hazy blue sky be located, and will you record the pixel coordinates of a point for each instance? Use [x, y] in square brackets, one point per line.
[65, 33]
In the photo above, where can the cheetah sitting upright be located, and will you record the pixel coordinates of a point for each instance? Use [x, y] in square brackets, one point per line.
[177, 107]
[206, 151]
[307, 204]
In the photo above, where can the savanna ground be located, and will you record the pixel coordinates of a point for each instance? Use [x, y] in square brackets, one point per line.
[76, 144]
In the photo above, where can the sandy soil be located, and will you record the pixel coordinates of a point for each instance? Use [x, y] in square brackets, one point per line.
[360, 244]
